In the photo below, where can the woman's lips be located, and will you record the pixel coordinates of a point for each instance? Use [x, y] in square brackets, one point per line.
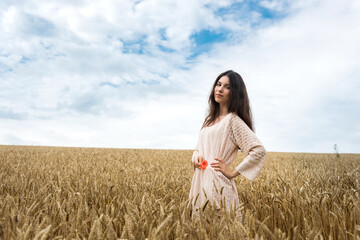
[218, 95]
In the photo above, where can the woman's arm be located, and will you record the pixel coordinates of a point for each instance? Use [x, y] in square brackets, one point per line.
[196, 157]
[195, 153]
[219, 165]
[250, 145]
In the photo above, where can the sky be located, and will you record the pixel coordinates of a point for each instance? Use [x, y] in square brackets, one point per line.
[137, 74]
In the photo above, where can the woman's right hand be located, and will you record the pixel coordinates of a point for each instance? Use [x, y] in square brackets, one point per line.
[197, 160]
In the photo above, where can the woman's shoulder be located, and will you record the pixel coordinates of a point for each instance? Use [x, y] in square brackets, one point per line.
[233, 114]
[236, 119]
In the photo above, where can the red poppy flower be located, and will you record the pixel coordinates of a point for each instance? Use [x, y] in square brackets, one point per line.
[203, 164]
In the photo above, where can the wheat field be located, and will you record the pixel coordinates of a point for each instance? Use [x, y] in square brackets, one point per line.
[94, 193]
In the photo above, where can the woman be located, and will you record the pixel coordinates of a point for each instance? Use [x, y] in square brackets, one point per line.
[227, 128]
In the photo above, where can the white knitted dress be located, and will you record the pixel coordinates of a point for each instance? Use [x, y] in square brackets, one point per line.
[223, 140]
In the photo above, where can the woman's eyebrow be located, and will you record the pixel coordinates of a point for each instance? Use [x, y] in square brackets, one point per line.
[224, 84]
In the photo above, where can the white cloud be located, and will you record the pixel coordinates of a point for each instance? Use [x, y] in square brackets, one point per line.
[92, 74]
[277, 5]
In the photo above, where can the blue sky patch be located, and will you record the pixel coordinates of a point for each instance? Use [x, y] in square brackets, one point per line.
[162, 33]
[205, 39]
[265, 12]
[137, 46]
[165, 49]
[243, 11]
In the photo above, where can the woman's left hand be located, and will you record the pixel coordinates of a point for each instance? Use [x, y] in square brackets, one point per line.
[223, 168]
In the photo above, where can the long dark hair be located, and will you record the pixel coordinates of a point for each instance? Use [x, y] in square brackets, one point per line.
[238, 102]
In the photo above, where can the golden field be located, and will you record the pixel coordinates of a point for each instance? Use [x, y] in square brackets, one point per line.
[94, 193]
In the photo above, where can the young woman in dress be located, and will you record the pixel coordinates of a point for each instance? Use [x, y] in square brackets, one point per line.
[227, 128]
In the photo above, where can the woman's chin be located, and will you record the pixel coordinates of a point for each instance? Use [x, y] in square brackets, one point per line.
[219, 101]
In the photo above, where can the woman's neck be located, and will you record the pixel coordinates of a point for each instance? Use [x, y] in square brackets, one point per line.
[223, 110]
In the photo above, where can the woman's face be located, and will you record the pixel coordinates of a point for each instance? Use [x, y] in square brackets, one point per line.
[222, 90]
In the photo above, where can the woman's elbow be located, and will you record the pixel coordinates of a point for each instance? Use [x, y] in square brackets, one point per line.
[261, 153]
[260, 150]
